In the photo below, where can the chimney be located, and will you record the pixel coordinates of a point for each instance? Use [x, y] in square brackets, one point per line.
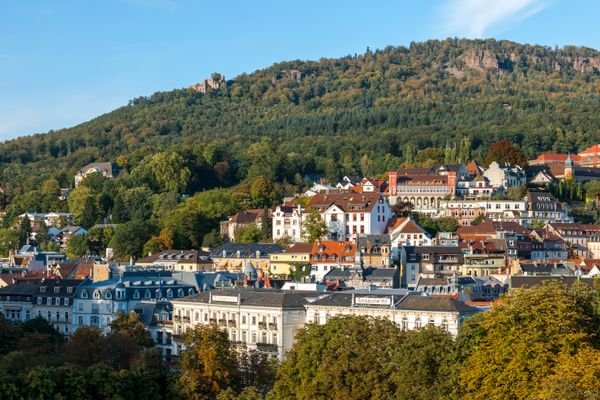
[393, 183]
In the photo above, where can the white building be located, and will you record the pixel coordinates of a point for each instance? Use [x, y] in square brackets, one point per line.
[406, 232]
[265, 321]
[409, 312]
[287, 222]
[505, 175]
[97, 303]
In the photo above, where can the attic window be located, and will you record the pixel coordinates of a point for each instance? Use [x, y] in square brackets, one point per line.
[57, 289]
[180, 293]
[42, 289]
[70, 289]
[84, 294]
[96, 294]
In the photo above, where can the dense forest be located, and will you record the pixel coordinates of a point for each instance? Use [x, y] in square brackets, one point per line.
[361, 114]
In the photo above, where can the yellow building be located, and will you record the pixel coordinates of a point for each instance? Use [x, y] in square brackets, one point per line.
[282, 264]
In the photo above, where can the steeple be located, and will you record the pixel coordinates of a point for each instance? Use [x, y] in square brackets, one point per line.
[569, 172]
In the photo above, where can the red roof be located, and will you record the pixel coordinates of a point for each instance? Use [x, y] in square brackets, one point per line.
[595, 149]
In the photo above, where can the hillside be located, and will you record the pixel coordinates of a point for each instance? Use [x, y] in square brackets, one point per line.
[361, 113]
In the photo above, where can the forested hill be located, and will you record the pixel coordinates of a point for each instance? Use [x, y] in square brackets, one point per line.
[364, 113]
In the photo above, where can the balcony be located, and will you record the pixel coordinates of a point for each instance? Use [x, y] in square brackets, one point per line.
[186, 319]
[222, 322]
[273, 326]
[212, 321]
[232, 323]
[266, 347]
[164, 322]
[177, 318]
[262, 325]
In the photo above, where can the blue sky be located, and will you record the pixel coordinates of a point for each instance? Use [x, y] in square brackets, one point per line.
[65, 62]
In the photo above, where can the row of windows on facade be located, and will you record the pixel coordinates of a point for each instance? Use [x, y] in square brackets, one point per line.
[120, 294]
[265, 338]
[56, 289]
[418, 324]
[215, 316]
[16, 315]
[333, 257]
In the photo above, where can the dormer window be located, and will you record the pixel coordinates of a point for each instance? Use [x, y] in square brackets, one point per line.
[257, 253]
[180, 293]
[70, 289]
[96, 294]
[42, 289]
[224, 253]
[136, 294]
[169, 293]
[84, 294]
[108, 295]
[190, 291]
[57, 289]
[147, 294]
[237, 254]
[158, 293]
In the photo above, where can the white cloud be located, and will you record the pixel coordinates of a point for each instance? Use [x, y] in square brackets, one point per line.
[476, 18]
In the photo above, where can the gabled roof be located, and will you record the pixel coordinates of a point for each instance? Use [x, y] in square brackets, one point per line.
[247, 216]
[329, 247]
[299, 248]
[348, 202]
[595, 149]
[404, 225]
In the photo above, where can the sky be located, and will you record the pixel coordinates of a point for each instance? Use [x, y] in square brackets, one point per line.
[63, 62]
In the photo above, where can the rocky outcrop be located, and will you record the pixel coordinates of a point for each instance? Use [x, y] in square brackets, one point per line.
[584, 64]
[287, 74]
[480, 60]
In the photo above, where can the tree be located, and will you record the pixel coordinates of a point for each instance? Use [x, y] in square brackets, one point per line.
[261, 192]
[86, 347]
[478, 220]
[248, 233]
[167, 171]
[576, 377]
[25, 230]
[266, 226]
[402, 209]
[82, 204]
[446, 224]
[9, 241]
[504, 152]
[502, 367]
[537, 224]
[313, 227]
[130, 325]
[78, 246]
[212, 240]
[163, 241]
[129, 239]
[208, 364]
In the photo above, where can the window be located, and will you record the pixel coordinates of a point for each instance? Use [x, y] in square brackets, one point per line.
[57, 301]
[57, 316]
[48, 301]
[57, 289]
[136, 294]
[39, 300]
[27, 315]
[39, 313]
[147, 294]
[66, 316]
[180, 293]
[418, 323]
[243, 319]
[80, 320]
[253, 320]
[96, 294]
[405, 324]
[169, 293]
[445, 325]
[84, 294]
[49, 315]
[94, 321]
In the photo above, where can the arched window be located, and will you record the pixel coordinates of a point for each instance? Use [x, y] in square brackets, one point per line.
[431, 322]
[108, 295]
[190, 291]
[404, 324]
[169, 293]
[180, 293]
[96, 294]
[84, 294]
[136, 294]
[158, 293]
[147, 294]
[418, 323]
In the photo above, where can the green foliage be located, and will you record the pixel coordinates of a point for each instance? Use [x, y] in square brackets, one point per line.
[313, 227]
[78, 246]
[208, 366]
[493, 364]
[129, 239]
[130, 325]
[248, 233]
[10, 239]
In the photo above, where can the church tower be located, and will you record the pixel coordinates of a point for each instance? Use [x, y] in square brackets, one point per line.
[569, 172]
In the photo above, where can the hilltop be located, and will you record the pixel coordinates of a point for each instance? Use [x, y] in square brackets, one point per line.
[361, 113]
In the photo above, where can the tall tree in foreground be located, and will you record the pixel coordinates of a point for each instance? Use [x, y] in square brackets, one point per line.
[208, 365]
[520, 342]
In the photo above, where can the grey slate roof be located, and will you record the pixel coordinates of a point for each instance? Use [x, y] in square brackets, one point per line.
[522, 281]
[247, 250]
[256, 298]
[408, 302]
